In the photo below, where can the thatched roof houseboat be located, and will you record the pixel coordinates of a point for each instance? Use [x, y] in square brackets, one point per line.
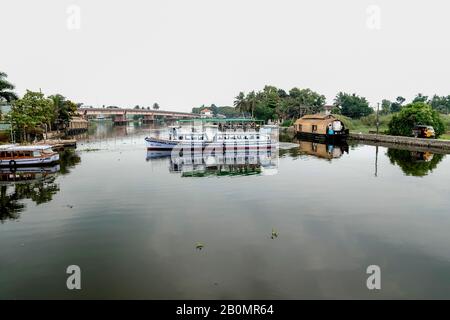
[321, 126]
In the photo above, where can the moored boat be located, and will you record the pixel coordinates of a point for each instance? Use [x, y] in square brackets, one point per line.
[209, 136]
[321, 126]
[14, 155]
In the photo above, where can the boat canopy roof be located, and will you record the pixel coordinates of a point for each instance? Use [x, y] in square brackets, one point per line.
[14, 147]
[316, 119]
[222, 120]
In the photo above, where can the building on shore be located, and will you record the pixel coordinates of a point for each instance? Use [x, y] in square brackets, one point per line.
[77, 125]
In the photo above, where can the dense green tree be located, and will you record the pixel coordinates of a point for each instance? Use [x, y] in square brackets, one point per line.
[303, 101]
[397, 105]
[282, 94]
[31, 112]
[229, 112]
[214, 109]
[352, 106]
[273, 103]
[420, 98]
[6, 88]
[441, 104]
[385, 106]
[63, 110]
[413, 114]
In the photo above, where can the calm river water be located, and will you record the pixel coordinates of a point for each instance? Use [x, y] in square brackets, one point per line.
[304, 225]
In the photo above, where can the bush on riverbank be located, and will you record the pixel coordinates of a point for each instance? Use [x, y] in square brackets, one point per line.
[287, 123]
[413, 114]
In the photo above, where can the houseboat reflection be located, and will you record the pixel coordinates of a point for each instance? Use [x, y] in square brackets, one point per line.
[309, 147]
[321, 150]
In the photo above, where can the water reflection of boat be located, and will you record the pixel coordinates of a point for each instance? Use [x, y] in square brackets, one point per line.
[220, 164]
[158, 154]
[26, 174]
[323, 150]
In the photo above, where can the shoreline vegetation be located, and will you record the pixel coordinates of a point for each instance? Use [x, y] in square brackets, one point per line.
[36, 116]
[396, 117]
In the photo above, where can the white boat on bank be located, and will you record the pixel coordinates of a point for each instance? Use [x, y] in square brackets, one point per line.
[13, 155]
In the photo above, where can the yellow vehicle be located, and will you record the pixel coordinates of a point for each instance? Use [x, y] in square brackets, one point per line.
[421, 131]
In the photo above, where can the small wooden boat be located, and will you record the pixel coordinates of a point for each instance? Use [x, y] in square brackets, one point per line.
[37, 155]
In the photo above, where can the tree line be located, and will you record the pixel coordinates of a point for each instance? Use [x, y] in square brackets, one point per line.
[35, 113]
[272, 103]
[275, 104]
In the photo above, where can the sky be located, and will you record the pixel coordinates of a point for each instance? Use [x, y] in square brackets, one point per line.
[185, 53]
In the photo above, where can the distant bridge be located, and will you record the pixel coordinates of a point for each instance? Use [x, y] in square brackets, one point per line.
[120, 115]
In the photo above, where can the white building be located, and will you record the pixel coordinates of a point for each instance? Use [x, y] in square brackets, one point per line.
[206, 113]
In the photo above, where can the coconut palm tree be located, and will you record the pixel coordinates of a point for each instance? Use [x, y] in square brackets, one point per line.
[5, 89]
[251, 102]
[240, 102]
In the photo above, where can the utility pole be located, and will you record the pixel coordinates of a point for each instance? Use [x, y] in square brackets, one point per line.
[378, 123]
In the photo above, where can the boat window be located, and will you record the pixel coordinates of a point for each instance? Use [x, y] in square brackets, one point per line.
[314, 128]
[36, 153]
[3, 154]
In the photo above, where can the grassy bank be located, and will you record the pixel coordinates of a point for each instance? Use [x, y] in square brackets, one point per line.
[368, 124]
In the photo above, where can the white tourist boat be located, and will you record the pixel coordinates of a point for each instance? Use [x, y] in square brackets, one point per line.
[13, 155]
[209, 136]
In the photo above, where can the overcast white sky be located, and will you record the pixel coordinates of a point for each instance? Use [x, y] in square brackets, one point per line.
[184, 53]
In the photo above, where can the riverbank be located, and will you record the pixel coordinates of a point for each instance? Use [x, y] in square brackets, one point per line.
[368, 124]
[428, 144]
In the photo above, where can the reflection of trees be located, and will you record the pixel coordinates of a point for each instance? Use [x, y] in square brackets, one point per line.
[414, 163]
[292, 152]
[10, 207]
[68, 159]
[39, 191]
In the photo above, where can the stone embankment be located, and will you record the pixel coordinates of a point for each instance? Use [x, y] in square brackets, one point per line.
[434, 144]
